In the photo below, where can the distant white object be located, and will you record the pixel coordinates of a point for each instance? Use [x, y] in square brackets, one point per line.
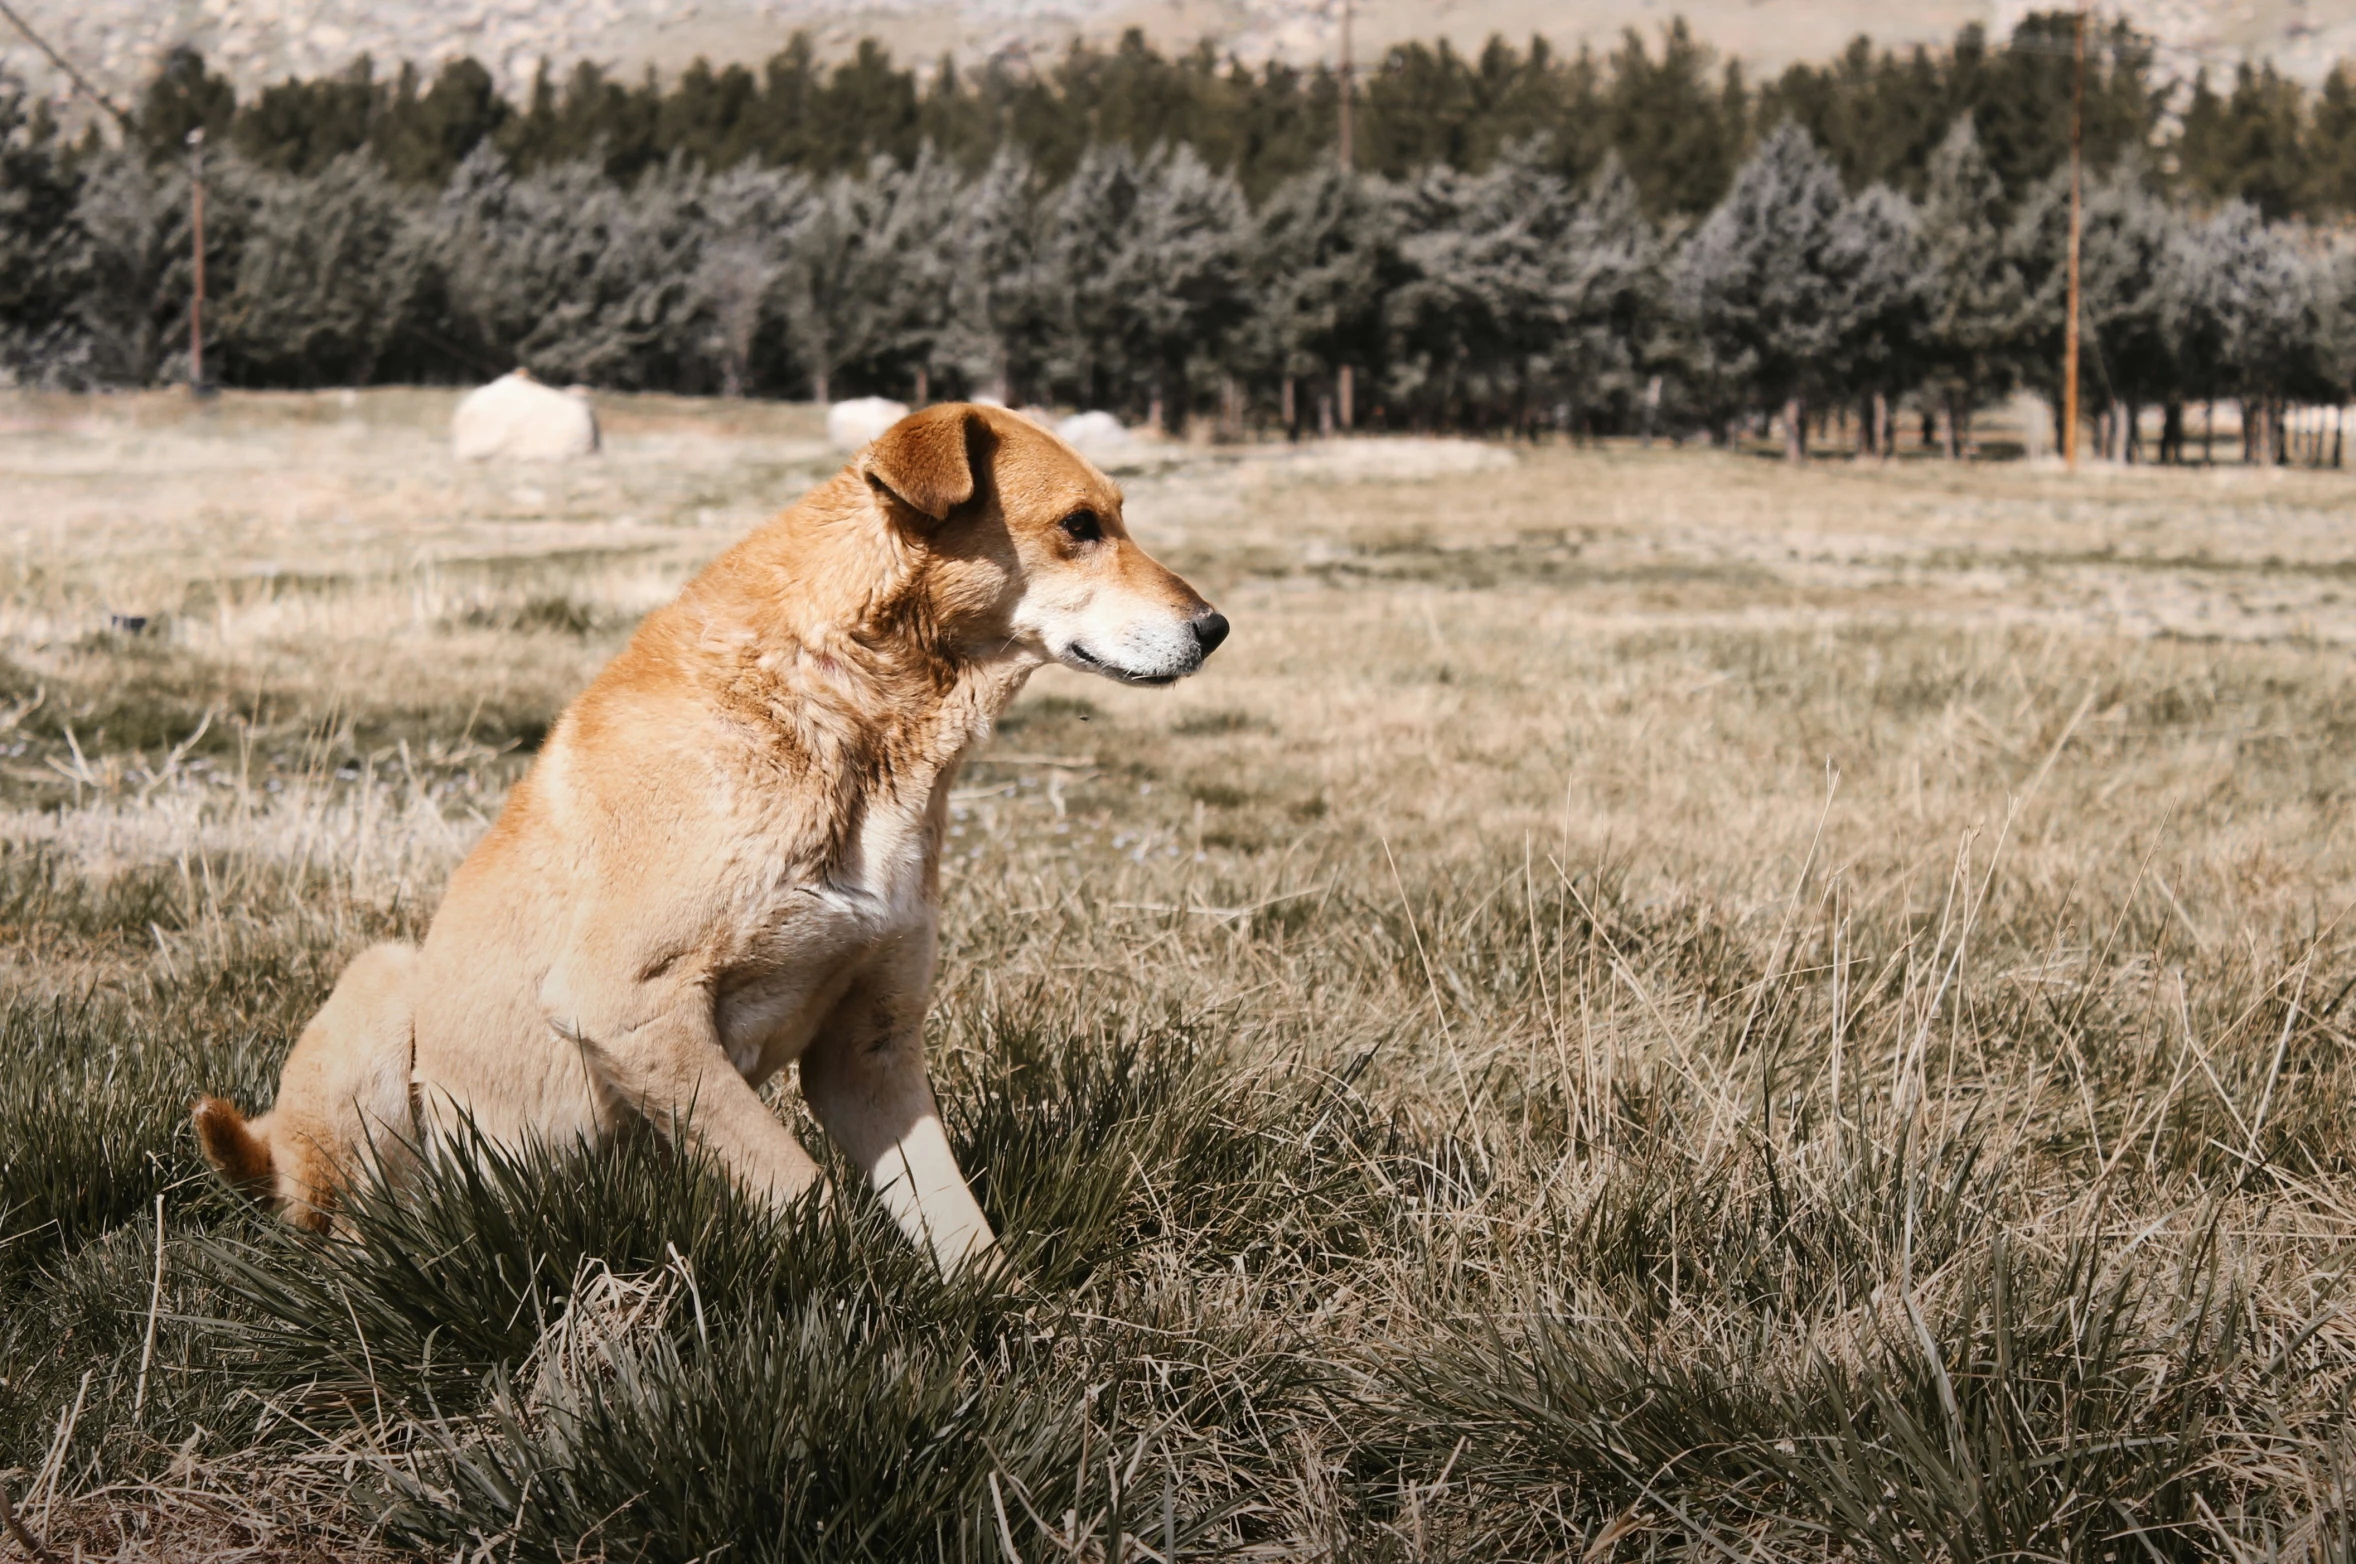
[518, 419]
[2033, 415]
[1397, 459]
[1095, 431]
[851, 425]
[985, 399]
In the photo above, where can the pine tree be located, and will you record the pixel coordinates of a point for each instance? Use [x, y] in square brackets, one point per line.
[1324, 252]
[2243, 303]
[490, 260]
[2125, 356]
[1089, 227]
[1877, 117]
[132, 271]
[863, 277]
[1001, 312]
[956, 120]
[703, 117]
[2125, 272]
[299, 127]
[778, 124]
[1678, 138]
[421, 139]
[1761, 286]
[826, 294]
[2249, 146]
[2331, 147]
[1876, 256]
[2197, 303]
[565, 272]
[39, 251]
[2332, 281]
[919, 232]
[1182, 277]
[1973, 289]
[2019, 98]
[749, 214]
[1420, 104]
[323, 277]
[1478, 321]
[1607, 287]
[867, 109]
[623, 310]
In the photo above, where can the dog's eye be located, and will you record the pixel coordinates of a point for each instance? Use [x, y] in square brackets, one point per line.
[1081, 526]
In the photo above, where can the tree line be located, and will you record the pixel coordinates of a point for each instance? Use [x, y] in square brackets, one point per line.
[1676, 119]
[1527, 242]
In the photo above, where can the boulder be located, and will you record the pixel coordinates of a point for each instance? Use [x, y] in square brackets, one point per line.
[520, 420]
[851, 425]
[1095, 431]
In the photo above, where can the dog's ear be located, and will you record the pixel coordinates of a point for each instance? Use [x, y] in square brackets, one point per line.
[929, 461]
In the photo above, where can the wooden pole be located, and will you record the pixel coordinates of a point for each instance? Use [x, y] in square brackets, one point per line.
[1348, 142]
[1345, 383]
[196, 304]
[2070, 326]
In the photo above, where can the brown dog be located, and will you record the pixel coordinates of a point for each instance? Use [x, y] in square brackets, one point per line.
[727, 857]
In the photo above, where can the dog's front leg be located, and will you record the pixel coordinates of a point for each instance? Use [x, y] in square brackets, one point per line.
[654, 1042]
[864, 1078]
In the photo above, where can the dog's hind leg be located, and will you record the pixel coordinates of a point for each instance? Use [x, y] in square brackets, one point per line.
[651, 1040]
[343, 1099]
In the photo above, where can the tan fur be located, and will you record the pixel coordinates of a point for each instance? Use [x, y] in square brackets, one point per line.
[343, 1098]
[726, 858]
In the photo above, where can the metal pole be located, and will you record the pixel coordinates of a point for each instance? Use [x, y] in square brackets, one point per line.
[2070, 326]
[196, 304]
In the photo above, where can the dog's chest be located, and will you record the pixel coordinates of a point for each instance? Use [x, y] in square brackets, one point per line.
[799, 951]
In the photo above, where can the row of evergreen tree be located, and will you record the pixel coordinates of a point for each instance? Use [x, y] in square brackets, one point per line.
[1676, 119]
[1506, 291]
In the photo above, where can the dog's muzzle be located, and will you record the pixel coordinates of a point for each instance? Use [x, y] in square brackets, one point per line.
[1180, 655]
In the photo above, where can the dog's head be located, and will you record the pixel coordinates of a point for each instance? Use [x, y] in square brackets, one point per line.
[1026, 548]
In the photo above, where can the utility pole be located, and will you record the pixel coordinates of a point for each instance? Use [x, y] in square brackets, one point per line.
[1344, 385]
[2070, 326]
[196, 304]
[1348, 148]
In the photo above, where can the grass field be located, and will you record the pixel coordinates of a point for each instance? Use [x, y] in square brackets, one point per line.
[1648, 1005]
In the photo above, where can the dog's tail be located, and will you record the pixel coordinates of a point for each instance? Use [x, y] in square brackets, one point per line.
[234, 1147]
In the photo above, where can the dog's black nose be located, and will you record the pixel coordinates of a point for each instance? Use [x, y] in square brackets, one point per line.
[1209, 631]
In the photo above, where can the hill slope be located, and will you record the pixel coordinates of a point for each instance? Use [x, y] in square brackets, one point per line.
[118, 41]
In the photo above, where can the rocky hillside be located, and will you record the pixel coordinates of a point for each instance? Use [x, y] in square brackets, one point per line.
[117, 42]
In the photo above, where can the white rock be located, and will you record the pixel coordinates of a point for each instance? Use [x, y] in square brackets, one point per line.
[1095, 431]
[518, 419]
[851, 425]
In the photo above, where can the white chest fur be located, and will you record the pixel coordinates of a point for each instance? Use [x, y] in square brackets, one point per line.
[800, 954]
